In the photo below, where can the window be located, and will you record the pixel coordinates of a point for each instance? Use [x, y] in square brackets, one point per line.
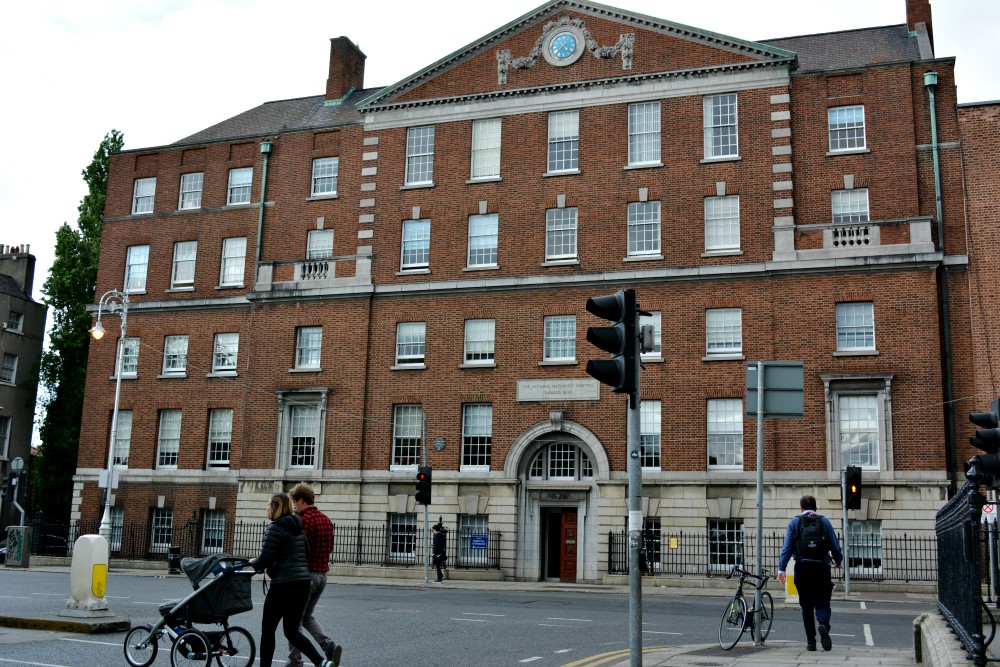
[5, 436]
[142, 196]
[220, 436]
[720, 126]
[560, 233]
[213, 532]
[483, 240]
[402, 538]
[725, 544]
[649, 434]
[130, 357]
[724, 331]
[15, 321]
[324, 179]
[308, 341]
[227, 346]
[234, 253]
[410, 340]
[644, 133]
[865, 547]
[858, 430]
[850, 206]
[722, 223]
[123, 438]
[168, 445]
[855, 326]
[725, 433]
[319, 244]
[564, 141]
[191, 185]
[560, 338]
[652, 543]
[303, 435]
[136, 262]
[185, 255]
[8, 373]
[161, 530]
[561, 460]
[407, 435]
[175, 350]
[473, 533]
[477, 435]
[416, 244]
[654, 319]
[486, 148]
[480, 338]
[239, 186]
[644, 228]
[847, 127]
[420, 155]
[117, 524]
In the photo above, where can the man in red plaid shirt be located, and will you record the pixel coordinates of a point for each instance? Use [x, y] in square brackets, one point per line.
[319, 533]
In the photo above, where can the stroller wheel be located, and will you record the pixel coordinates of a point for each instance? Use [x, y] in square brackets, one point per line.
[190, 649]
[140, 648]
[235, 648]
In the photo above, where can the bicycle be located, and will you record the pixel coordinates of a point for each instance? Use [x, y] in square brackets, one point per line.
[737, 618]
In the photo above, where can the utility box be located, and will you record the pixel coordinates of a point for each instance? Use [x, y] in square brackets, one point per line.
[18, 546]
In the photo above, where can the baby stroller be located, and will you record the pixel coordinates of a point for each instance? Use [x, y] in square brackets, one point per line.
[221, 589]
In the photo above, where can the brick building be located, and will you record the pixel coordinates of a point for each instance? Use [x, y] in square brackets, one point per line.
[321, 285]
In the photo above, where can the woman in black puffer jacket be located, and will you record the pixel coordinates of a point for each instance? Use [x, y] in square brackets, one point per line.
[283, 555]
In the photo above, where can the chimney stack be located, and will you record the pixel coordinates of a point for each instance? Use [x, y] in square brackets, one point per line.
[347, 68]
[917, 12]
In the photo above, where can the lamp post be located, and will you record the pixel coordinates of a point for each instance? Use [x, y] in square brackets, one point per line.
[114, 301]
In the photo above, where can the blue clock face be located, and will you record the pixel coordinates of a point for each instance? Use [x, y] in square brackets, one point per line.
[563, 45]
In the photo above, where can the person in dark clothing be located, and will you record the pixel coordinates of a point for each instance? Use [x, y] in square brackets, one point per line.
[812, 573]
[439, 549]
[283, 556]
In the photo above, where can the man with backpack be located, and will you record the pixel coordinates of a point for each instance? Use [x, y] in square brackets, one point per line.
[810, 538]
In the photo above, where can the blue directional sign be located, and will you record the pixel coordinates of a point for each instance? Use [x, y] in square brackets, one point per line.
[478, 541]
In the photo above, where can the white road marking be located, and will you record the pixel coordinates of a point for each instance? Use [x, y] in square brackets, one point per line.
[563, 650]
[868, 635]
[863, 605]
[61, 595]
[89, 641]
[471, 620]
[469, 613]
[555, 625]
[32, 664]
[537, 657]
[660, 632]
[581, 620]
[16, 597]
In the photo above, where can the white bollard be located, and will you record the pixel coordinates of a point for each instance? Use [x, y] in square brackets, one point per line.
[88, 578]
[791, 592]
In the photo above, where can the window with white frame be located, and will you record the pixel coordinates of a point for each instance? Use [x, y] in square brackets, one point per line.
[559, 338]
[416, 246]
[410, 343]
[864, 546]
[169, 440]
[190, 195]
[724, 331]
[850, 206]
[117, 526]
[725, 433]
[303, 431]
[564, 141]
[5, 436]
[319, 244]
[560, 233]
[308, 343]
[185, 257]
[213, 532]
[407, 434]
[722, 223]
[472, 527]
[220, 437]
[123, 438]
[225, 351]
[402, 545]
[420, 155]
[477, 436]
[855, 326]
[161, 530]
[175, 352]
[643, 228]
[8, 372]
[644, 133]
[561, 460]
[234, 254]
[143, 195]
[136, 264]
[15, 321]
[240, 181]
[649, 434]
[486, 148]
[653, 318]
[721, 126]
[847, 127]
[858, 429]
[324, 178]
[130, 357]
[480, 339]
[725, 544]
[483, 240]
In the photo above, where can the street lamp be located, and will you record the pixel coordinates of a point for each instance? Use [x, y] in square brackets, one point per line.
[115, 302]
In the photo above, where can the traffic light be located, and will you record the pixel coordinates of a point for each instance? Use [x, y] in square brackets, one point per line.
[852, 478]
[621, 340]
[424, 485]
[987, 438]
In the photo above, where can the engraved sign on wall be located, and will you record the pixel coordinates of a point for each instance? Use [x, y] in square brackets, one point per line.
[559, 390]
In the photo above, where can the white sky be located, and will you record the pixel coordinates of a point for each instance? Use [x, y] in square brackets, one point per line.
[159, 70]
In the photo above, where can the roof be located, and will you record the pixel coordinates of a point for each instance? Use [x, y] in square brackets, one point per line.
[10, 287]
[851, 48]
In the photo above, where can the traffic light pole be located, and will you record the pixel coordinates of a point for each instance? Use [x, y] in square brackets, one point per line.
[427, 530]
[634, 524]
[759, 550]
[847, 541]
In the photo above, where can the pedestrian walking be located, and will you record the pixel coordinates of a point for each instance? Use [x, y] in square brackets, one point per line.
[810, 538]
[439, 550]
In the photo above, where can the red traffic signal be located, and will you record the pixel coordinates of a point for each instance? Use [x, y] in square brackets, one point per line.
[424, 485]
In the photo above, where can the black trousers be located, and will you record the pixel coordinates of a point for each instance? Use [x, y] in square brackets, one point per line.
[286, 603]
[812, 579]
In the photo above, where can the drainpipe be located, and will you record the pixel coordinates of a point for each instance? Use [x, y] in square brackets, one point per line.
[265, 150]
[930, 83]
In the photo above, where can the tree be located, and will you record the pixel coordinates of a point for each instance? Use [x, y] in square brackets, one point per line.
[68, 290]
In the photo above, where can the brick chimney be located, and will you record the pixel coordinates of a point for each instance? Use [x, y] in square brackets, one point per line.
[347, 68]
[919, 11]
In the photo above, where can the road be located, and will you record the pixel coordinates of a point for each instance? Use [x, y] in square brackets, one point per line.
[406, 625]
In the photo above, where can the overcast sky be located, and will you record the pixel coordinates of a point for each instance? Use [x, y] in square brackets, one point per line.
[159, 70]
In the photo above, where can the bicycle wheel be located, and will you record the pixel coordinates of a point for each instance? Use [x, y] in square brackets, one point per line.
[766, 614]
[140, 648]
[734, 622]
[191, 649]
[235, 648]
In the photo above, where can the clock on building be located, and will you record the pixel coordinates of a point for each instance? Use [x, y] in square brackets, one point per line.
[564, 46]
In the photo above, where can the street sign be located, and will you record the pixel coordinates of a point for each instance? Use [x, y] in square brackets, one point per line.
[989, 513]
[478, 541]
[783, 386]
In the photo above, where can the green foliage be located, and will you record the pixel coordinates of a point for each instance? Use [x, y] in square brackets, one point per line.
[68, 290]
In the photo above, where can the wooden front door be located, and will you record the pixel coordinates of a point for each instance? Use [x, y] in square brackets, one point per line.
[567, 547]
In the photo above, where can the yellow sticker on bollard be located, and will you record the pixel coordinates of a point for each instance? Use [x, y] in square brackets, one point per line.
[99, 580]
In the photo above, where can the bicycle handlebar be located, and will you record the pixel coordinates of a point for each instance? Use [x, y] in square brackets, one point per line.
[763, 576]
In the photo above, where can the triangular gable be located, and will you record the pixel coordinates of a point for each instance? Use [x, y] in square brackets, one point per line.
[515, 54]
